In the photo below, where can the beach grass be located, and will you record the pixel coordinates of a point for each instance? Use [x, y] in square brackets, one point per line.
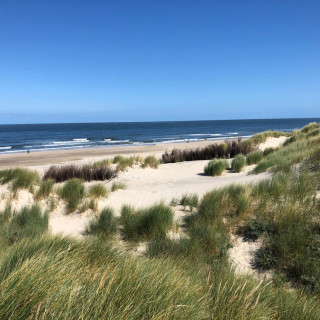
[72, 192]
[215, 167]
[238, 163]
[98, 190]
[45, 189]
[150, 161]
[87, 204]
[191, 200]
[255, 157]
[19, 178]
[104, 225]
[151, 222]
[29, 222]
[118, 186]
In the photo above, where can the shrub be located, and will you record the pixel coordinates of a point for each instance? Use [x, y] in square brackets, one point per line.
[98, 191]
[150, 161]
[117, 185]
[215, 167]
[238, 163]
[254, 157]
[104, 225]
[72, 192]
[45, 189]
[190, 200]
[85, 172]
[19, 178]
[224, 150]
[146, 223]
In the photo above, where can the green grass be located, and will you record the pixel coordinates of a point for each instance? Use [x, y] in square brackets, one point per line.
[98, 191]
[124, 163]
[101, 163]
[26, 223]
[238, 163]
[254, 157]
[151, 161]
[45, 189]
[72, 192]
[105, 225]
[19, 178]
[215, 167]
[118, 185]
[146, 223]
[62, 278]
[263, 136]
[191, 200]
[88, 204]
[267, 151]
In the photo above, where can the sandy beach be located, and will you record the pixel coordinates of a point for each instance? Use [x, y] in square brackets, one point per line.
[88, 154]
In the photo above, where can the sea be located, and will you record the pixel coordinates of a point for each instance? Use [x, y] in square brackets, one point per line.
[15, 138]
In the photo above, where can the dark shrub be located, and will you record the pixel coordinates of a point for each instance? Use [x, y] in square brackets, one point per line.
[224, 150]
[86, 173]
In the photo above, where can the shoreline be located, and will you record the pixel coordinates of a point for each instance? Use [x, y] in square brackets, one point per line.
[41, 158]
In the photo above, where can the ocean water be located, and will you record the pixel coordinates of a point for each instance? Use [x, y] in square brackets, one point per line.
[40, 137]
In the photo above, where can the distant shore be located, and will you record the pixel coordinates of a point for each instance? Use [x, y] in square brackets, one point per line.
[90, 154]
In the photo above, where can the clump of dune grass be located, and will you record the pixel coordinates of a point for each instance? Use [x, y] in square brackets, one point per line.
[191, 200]
[118, 185]
[105, 225]
[45, 189]
[98, 191]
[229, 149]
[19, 178]
[85, 172]
[150, 161]
[72, 192]
[284, 158]
[124, 163]
[145, 223]
[88, 204]
[102, 163]
[238, 163]
[29, 222]
[263, 136]
[116, 159]
[267, 151]
[96, 283]
[254, 157]
[215, 167]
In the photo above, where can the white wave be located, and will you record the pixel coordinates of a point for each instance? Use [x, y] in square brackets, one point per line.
[82, 140]
[106, 139]
[233, 133]
[216, 134]
[5, 148]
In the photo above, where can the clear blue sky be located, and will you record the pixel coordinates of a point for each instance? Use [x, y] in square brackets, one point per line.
[92, 61]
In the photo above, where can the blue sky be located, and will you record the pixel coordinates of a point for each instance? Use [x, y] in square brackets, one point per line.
[91, 61]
